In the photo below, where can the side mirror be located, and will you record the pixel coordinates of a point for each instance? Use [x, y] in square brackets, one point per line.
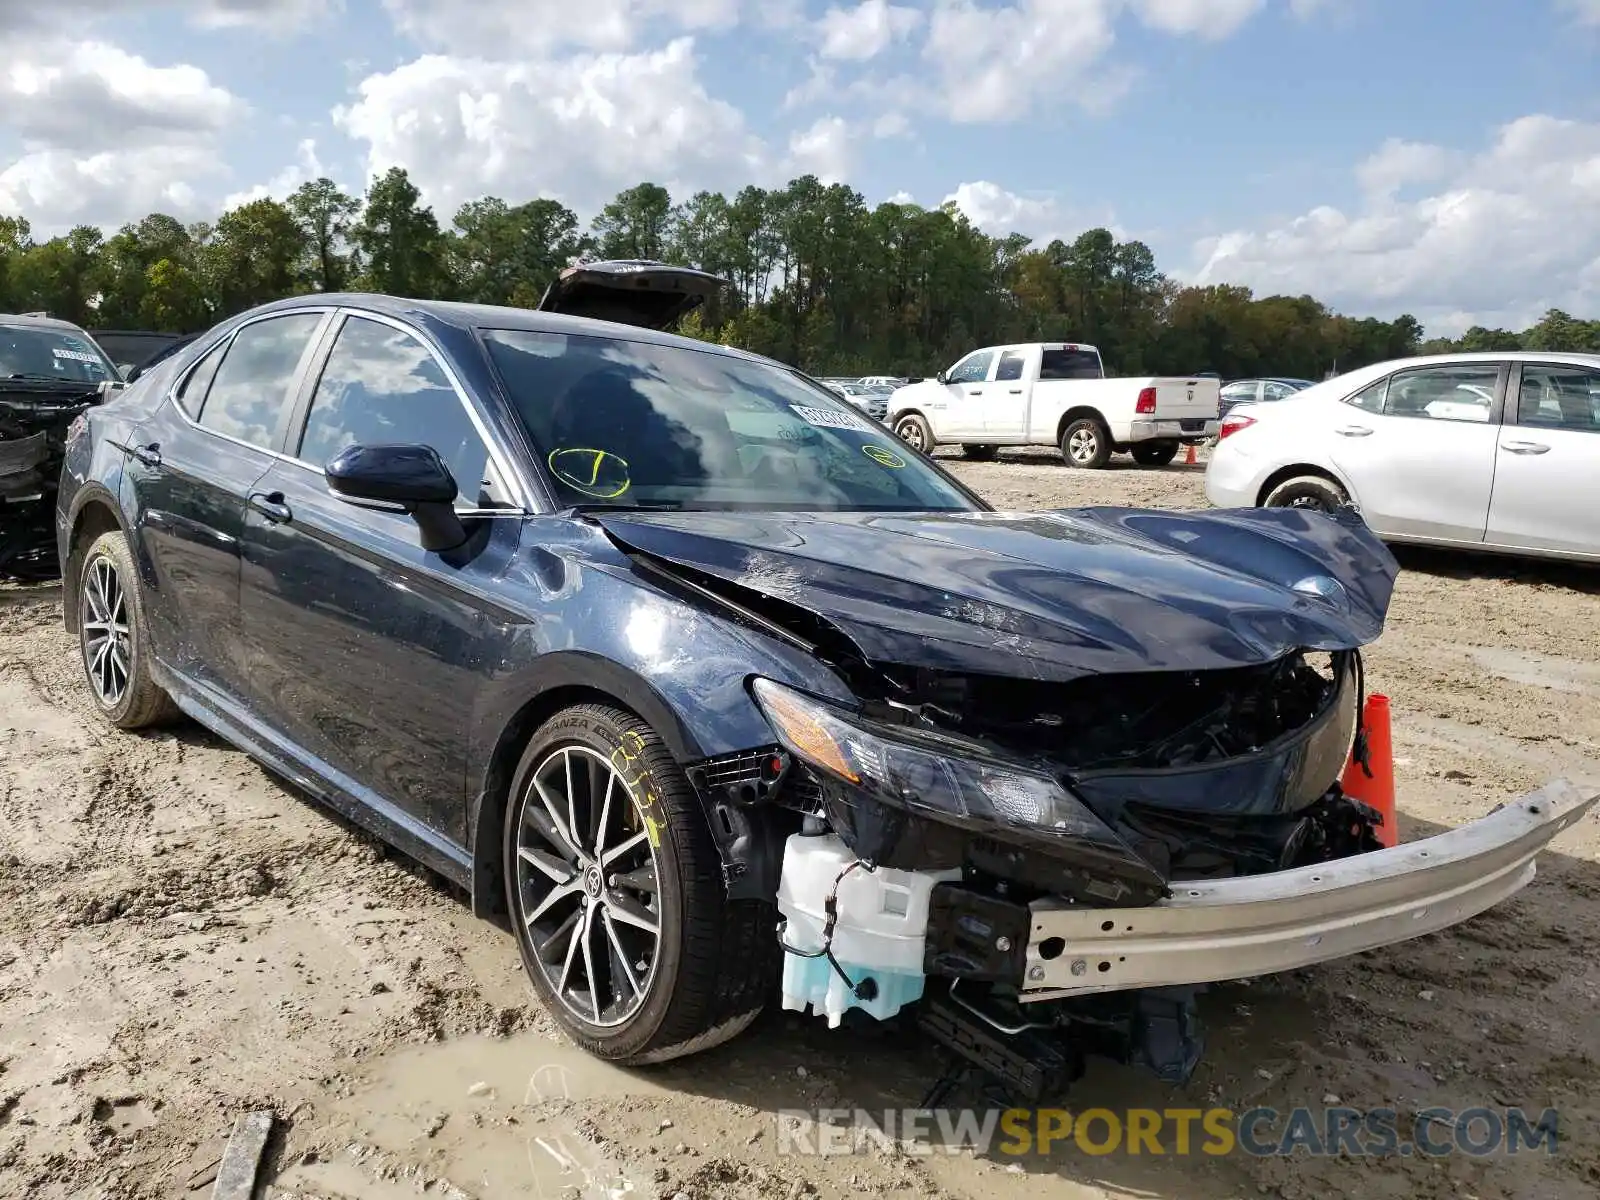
[411, 478]
[941, 377]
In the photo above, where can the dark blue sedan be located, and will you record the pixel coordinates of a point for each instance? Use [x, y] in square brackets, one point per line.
[637, 637]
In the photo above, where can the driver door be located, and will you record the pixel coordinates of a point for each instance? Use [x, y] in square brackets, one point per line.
[365, 650]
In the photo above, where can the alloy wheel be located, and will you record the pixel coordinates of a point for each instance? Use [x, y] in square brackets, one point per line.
[107, 634]
[588, 880]
[911, 434]
[1083, 445]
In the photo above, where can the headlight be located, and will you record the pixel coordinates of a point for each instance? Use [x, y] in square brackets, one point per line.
[956, 789]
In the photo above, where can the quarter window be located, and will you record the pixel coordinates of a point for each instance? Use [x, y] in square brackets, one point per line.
[1371, 397]
[1553, 397]
[249, 389]
[974, 368]
[192, 391]
[381, 385]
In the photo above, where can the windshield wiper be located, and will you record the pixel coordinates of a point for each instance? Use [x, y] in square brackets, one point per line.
[647, 506]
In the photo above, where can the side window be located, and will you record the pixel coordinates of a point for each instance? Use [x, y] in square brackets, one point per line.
[1463, 392]
[974, 368]
[1070, 364]
[1554, 397]
[1239, 393]
[1011, 364]
[191, 393]
[1370, 397]
[383, 385]
[251, 384]
[1276, 391]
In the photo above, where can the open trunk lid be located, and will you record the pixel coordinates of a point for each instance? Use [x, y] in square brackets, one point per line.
[630, 291]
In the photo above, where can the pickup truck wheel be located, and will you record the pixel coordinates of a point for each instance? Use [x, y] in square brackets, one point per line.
[1307, 491]
[1155, 454]
[915, 432]
[978, 453]
[617, 899]
[1086, 443]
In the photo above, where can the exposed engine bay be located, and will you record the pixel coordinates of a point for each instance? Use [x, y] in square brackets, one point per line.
[34, 418]
[1195, 775]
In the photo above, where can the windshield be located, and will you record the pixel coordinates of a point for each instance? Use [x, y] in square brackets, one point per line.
[39, 352]
[630, 424]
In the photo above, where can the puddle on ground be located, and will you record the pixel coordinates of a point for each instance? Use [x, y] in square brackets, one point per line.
[468, 1120]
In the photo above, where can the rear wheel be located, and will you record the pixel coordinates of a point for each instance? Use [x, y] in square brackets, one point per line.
[978, 453]
[1086, 443]
[113, 640]
[1155, 454]
[617, 899]
[915, 432]
[1307, 491]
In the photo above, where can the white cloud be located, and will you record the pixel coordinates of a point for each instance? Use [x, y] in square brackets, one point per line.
[495, 28]
[306, 167]
[578, 128]
[823, 150]
[107, 136]
[1205, 18]
[263, 14]
[1042, 216]
[90, 95]
[866, 30]
[1503, 234]
[1399, 164]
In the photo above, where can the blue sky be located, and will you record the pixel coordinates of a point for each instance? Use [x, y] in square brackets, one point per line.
[1430, 155]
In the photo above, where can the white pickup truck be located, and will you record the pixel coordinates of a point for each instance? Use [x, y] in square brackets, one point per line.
[1054, 394]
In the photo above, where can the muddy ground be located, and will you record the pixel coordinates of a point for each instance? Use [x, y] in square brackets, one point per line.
[183, 939]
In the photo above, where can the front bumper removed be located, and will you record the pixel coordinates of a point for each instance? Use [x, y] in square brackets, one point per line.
[1255, 925]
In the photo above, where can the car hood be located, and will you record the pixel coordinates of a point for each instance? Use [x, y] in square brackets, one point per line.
[1052, 595]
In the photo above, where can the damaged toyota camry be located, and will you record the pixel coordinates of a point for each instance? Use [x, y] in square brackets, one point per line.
[720, 696]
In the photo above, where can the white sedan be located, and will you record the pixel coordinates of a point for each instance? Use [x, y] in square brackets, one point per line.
[1496, 451]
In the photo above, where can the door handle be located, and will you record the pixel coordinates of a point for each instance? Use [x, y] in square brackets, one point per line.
[271, 506]
[1353, 431]
[1524, 447]
[149, 455]
[975, 392]
[1016, 391]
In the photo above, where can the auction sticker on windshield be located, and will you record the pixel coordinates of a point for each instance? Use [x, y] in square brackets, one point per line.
[826, 418]
[883, 457]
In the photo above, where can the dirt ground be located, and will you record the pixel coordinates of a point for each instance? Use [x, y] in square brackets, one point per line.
[183, 939]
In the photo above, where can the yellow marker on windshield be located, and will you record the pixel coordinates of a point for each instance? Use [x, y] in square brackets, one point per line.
[884, 457]
[593, 472]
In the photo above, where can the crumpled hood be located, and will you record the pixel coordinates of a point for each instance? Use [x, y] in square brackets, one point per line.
[1053, 595]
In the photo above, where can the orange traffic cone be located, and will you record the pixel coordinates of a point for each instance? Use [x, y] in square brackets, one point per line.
[1189, 458]
[1373, 784]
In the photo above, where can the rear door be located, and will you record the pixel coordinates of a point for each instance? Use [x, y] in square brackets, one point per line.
[1418, 448]
[1005, 415]
[189, 471]
[1547, 461]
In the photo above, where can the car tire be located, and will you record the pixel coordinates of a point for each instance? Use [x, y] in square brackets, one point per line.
[1307, 491]
[1086, 443]
[979, 453]
[113, 639]
[708, 968]
[1155, 454]
[915, 432]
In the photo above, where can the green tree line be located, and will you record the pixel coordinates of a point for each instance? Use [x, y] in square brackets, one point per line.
[818, 278]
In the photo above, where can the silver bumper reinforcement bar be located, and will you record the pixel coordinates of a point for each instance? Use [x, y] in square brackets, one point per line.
[1236, 928]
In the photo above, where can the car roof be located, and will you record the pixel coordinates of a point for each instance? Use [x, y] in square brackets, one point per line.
[39, 322]
[473, 317]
